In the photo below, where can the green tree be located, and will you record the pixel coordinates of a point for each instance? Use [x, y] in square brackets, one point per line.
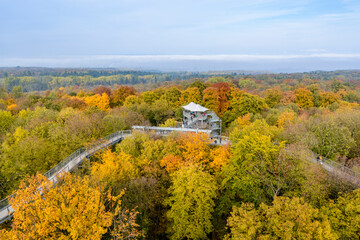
[17, 91]
[332, 140]
[285, 219]
[172, 96]
[344, 215]
[273, 96]
[6, 121]
[191, 203]
[247, 103]
[255, 172]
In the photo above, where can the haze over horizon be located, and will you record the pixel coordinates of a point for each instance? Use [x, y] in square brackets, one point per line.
[269, 35]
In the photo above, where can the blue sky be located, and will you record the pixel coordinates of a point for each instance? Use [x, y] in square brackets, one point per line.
[136, 33]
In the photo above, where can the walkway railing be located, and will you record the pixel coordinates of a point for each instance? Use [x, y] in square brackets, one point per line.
[341, 171]
[67, 165]
[337, 170]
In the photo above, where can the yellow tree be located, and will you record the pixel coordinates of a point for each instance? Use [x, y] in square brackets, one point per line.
[114, 169]
[304, 98]
[220, 157]
[286, 118]
[172, 163]
[195, 147]
[285, 219]
[273, 96]
[210, 99]
[344, 215]
[71, 210]
[190, 95]
[191, 203]
[100, 101]
[328, 98]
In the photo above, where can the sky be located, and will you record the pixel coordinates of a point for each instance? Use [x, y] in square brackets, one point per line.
[194, 35]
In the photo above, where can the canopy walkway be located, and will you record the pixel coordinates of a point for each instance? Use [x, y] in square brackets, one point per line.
[67, 165]
[339, 171]
[71, 162]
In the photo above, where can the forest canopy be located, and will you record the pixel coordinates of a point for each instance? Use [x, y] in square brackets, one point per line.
[266, 184]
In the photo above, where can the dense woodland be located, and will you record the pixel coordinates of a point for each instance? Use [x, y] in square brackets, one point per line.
[262, 186]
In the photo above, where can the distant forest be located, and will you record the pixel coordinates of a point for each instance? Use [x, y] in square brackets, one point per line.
[41, 79]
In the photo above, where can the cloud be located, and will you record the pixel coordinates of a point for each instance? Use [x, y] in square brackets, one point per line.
[99, 60]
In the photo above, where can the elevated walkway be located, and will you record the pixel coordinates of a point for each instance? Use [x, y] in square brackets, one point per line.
[167, 130]
[67, 165]
[71, 162]
[339, 171]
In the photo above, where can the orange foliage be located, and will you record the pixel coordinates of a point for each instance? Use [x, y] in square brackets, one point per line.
[102, 102]
[243, 120]
[341, 93]
[220, 156]
[328, 98]
[119, 95]
[286, 118]
[223, 92]
[12, 108]
[71, 210]
[113, 168]
[195, 147]
[304, 98]
[172, 163]
[288, 97]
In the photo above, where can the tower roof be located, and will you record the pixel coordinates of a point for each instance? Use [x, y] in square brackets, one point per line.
[193, 107]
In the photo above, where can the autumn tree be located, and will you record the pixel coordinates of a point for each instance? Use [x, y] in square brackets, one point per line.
[332, 139]
[195, 147]
[102, 89]
[149, 97]
[220, 157]
[273, 96]
[286, 118]
[190, 95]
[223, 92]
[171, 122]
[74, 209]
[100, 101]
[75, 102]
[6, 120]
[210, 98]
[114, 169]
[328, 98]
[119, 95]
[288, 97]
[199, 84]
[285, 219]
[172, 96]
[344, 215]
[304, 98]
[247, 104]
[191, 203]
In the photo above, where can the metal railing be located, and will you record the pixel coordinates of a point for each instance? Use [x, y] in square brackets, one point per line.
[67, 165]
[79, 155]
[339, 169]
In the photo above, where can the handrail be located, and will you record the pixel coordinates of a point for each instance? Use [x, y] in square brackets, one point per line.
[64, 166]
[80, 154]
[335, 168]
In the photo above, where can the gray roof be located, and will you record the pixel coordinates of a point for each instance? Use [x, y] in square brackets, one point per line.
[193, 107]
